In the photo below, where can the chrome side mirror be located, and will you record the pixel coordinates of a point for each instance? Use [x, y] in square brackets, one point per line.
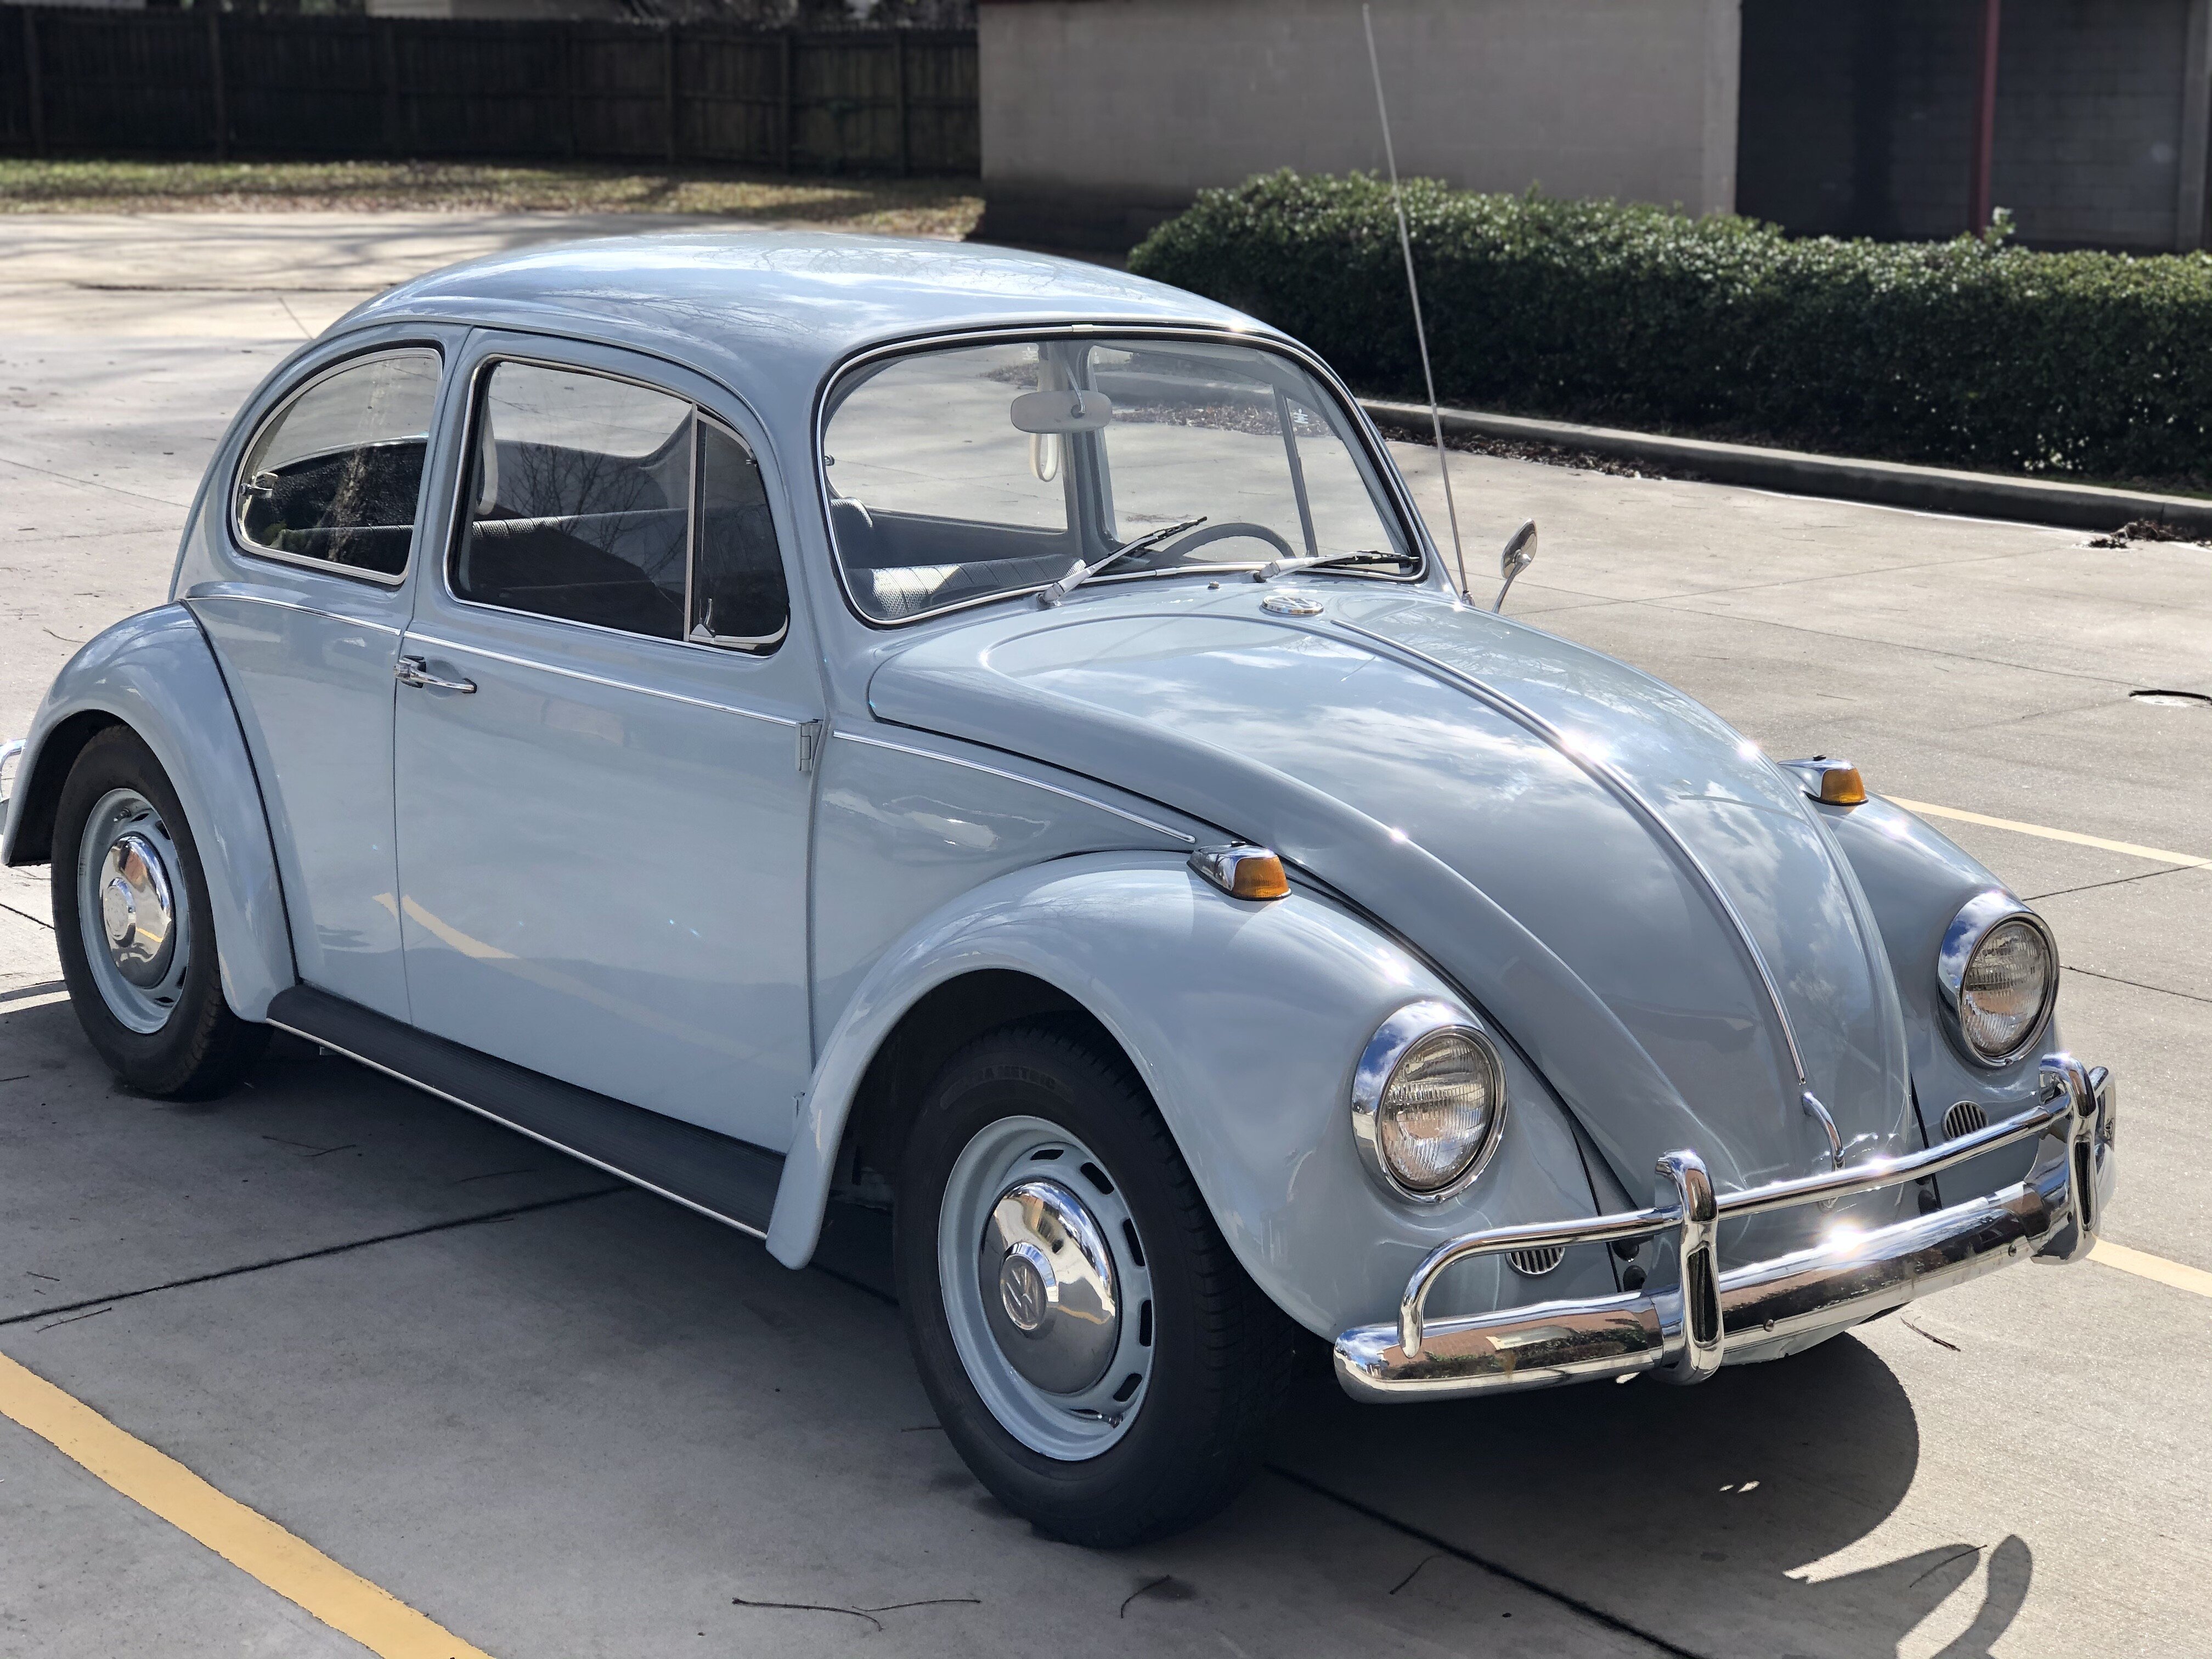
[1520, 553]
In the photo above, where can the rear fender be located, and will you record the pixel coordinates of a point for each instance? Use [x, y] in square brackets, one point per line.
[156, 674]
[1245, 1020]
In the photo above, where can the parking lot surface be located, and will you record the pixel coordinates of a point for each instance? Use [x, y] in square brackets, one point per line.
[562, 1417]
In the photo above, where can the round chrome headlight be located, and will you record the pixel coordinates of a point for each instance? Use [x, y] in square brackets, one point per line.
[1426, 1100]
[1999, 971]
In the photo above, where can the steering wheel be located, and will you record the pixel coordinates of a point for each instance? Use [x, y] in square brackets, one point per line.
[1207, 534]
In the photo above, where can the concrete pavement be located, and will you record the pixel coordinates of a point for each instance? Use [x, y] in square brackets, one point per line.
[563, 1420]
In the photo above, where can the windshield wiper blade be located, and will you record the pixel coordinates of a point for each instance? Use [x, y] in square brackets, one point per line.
[1074, 578]
[1275, 567]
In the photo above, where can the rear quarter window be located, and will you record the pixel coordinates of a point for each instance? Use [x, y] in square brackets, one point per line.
[335, 475]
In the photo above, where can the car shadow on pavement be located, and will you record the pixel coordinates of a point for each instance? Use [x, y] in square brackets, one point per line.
[1738, 1515]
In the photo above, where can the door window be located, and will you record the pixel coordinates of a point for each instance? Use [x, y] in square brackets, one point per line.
[600, 500]
[334, 477]
[579, 500]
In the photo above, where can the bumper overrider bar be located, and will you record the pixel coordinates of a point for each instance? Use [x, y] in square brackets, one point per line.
[1683, 1333]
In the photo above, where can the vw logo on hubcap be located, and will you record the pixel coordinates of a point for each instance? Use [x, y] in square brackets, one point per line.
[1022, 1289]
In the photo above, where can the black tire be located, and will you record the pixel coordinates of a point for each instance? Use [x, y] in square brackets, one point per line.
[202, 1048]
[1222, 1354]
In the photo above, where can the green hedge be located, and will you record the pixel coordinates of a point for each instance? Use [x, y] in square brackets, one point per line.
[1963, 353]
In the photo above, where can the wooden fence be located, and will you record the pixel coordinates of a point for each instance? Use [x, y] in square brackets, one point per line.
[208, 83]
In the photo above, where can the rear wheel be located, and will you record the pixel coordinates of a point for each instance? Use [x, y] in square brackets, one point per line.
[1092, 1348]
[134, 931]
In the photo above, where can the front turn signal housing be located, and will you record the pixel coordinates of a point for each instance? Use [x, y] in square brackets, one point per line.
[1842, 785]
[1245, 873]
[1830, 782]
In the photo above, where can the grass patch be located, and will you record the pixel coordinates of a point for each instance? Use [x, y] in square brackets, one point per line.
[904, 207]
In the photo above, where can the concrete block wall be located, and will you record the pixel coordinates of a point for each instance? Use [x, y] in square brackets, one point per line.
[1856, 118]
[1100, 117]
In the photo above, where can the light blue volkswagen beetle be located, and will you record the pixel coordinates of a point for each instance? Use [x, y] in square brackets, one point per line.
[794, 721]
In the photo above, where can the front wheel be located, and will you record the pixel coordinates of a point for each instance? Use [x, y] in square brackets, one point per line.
[135, 931]
[1093, 1349]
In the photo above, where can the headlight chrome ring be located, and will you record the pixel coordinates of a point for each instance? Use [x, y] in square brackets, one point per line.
[1998, 922]
[1416, 1073]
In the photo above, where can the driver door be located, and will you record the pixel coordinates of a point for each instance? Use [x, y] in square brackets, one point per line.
[603, 723]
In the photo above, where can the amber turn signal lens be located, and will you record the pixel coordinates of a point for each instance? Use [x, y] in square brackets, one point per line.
[1260, 876]
[1842, 785]
[1245, 873]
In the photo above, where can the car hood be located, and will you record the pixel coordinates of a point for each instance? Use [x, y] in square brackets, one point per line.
[1489, 792]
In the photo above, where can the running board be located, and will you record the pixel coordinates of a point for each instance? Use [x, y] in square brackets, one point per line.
[731, 1181]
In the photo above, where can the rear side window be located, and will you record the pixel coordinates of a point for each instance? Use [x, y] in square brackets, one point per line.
[334, 477]
[599, 500]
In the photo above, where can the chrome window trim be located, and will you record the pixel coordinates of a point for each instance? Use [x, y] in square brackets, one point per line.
[232, 514]
[1410, 523]
[1612, 779]
[204, 592]
[1016, 777]
[596, 680]
[1378, 1061]
[1976, 918]
[456, 522]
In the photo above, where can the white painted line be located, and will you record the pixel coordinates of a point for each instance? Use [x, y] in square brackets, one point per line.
[2154, 1267]
[16, 1004]
[2157, 854]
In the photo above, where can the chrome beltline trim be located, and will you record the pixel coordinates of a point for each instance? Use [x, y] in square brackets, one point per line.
[1611, 779]
[192, 599]
[600, 679]
[509, 1123]
[1016, 777]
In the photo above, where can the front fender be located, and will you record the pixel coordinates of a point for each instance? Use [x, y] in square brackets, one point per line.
[1916, 878]
[1245, 1020]
[156, 674]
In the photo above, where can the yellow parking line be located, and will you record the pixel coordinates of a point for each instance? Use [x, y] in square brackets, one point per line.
[2189, 861]
[2155, 1267]
[295, 1569]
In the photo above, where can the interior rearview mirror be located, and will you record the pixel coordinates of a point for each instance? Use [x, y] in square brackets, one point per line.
[1049, 413]
[1520, 553]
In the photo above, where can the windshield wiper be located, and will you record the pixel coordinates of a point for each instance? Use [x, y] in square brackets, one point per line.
[1275, 567]
[1074, 578]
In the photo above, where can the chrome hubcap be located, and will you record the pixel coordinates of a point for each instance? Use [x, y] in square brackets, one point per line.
[136, 910]
[130, 909]
[1046, 1289]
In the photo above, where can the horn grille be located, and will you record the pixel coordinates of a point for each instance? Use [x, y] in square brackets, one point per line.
[1535, 1263]
[1964, 1119]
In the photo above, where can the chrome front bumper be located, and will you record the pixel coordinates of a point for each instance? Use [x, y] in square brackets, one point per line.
[1763, 1308]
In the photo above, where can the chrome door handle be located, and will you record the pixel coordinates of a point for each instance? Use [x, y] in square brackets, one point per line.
[415, 671]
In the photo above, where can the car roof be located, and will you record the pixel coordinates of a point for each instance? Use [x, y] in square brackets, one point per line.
[781, 308]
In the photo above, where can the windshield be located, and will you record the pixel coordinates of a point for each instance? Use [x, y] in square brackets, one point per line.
[973, 471]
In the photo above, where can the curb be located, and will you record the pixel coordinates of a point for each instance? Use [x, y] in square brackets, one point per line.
[1887, 484]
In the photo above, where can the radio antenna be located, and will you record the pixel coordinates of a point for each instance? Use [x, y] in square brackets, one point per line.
[1413, 291]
